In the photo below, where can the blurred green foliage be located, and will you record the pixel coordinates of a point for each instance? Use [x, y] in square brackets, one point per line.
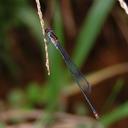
[80, 109]
[8, 19]
[19, 12]
[91, 28]
[15, 13]
[2, 125]
[16, 98]
[28, 98]
[116, 115]
[113, 95]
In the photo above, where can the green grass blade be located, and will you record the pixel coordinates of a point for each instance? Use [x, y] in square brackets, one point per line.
[116, 115]
[113, 95]
[91, 29]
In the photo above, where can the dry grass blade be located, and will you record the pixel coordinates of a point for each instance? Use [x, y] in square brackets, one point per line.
[99, 76]
[121, 22]
[43, 32]
[124, 5]
[62, 120]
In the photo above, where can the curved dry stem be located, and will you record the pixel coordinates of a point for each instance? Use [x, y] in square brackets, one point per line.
[124, 5]
[43, 32]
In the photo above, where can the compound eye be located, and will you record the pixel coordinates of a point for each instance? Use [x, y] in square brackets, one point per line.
[53, 36]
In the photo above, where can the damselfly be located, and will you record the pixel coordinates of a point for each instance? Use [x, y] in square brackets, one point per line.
[78, 76]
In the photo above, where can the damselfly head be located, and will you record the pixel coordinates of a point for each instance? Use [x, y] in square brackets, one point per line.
[51, 36]
[48, 30]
